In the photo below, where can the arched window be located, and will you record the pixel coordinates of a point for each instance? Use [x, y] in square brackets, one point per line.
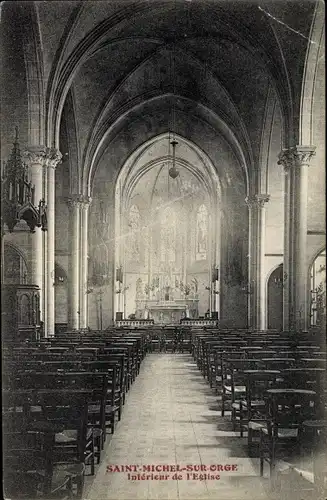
[201, 233]
[134, 227]
[168, 235]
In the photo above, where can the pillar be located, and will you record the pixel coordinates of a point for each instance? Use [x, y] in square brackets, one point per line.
[256, 285]
[35, 158]
[73, 265]
[84, 217]
[53, 158]
[296, 162]
[287, 300]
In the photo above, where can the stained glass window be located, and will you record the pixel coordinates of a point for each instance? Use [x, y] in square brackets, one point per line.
[168, 235]
[202, 233]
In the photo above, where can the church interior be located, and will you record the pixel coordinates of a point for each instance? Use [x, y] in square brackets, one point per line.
[163, 249]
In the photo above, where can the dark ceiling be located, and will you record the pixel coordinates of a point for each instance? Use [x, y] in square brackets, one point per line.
[211, 60]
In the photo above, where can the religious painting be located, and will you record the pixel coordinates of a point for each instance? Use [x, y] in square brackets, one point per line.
[99, 262]
[100, 226]
[134, 233]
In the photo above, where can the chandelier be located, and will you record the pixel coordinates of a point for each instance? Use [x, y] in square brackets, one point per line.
[173, 171]
[17, 194]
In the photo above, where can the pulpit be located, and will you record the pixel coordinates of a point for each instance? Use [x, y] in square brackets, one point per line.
[20, 312]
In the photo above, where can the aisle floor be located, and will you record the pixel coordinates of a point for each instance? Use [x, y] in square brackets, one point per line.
[171, 417]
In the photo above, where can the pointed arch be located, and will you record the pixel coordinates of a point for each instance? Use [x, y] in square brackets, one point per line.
[315, 44]
[32, 47]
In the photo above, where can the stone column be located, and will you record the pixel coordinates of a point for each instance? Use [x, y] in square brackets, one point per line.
[296, 161]
[53, 158]
[73, 265]
[287, 299]
[85, 203]
[256, 285]
[35, 158]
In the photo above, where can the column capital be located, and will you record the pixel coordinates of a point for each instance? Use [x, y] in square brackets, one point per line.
[85, 201]
[73, 201]
[257, 200]
[53, 157]
[79, 199]
[35, 155]
[296, 156]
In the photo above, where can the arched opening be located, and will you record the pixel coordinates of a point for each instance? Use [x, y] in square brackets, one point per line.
[275, 287]
[166, 243]
[318, 290]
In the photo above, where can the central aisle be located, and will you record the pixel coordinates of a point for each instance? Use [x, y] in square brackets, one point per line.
[171, 417]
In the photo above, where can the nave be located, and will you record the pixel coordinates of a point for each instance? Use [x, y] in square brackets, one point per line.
[171, 418]
[121, 415]
[163, 168]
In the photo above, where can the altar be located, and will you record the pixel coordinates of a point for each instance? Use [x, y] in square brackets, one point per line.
[167, 311]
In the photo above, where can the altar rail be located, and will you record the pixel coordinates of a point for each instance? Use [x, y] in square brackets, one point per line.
[199, 322]
[134, 323]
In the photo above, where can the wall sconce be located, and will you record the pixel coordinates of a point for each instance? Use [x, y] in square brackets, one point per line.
[88, 288]
[280, 282]
[248, 288]
[57, 278]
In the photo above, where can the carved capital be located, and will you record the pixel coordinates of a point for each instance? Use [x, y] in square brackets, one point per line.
[53, 157]
[296, 156]
[257, 201]
[85, 202]
[79, 200]
[35, 155]
[262, 199]
[74, 201]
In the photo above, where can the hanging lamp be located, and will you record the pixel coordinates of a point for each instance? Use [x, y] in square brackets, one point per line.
[173, 171]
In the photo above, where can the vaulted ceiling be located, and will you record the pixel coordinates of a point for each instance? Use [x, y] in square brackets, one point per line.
[219, 63]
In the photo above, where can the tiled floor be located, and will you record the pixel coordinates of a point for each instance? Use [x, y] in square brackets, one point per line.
[171, 417]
